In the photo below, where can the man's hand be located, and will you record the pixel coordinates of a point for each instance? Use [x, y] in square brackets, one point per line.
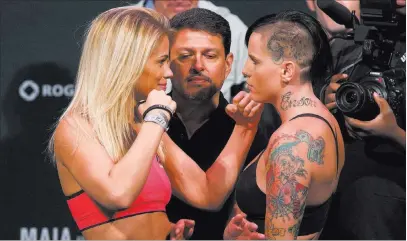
[244, 110]
[183, 229]
[239, 228]
[330, 91]
[384, 124]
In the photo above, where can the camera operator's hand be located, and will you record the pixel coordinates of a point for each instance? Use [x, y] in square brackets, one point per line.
[331, 89]
[384, 125]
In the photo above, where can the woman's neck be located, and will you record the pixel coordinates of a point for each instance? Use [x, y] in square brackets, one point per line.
[295, 100]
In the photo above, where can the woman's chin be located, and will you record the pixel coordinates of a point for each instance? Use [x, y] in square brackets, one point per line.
[256, 97]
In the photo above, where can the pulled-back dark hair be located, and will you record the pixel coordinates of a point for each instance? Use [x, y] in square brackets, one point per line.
[297, 35]
[203, 20]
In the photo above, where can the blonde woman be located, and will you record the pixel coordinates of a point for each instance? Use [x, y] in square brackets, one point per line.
[107, 147]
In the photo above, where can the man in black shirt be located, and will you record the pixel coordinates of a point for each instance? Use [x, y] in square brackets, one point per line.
[200, 61]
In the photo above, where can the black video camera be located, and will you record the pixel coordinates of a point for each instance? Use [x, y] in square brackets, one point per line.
[378, 36]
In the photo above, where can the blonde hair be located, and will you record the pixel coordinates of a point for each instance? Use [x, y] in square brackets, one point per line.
[117, 46]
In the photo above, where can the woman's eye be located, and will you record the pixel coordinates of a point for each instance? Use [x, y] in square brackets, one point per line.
[163, 61]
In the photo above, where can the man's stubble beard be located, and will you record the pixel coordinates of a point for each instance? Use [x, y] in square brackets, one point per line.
[201, 95]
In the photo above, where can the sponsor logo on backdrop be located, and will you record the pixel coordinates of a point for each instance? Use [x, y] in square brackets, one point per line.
[29, 90]
[53, 233]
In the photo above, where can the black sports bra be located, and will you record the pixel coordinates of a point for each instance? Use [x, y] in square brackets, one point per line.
[252, 201]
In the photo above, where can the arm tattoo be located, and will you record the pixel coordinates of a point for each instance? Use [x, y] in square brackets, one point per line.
[286, 102]
[277, 231]
[286, 197]
[315, 147]
[295, 229]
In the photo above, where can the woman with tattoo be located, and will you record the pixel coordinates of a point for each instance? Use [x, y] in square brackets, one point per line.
[286, 191]
[108, 145]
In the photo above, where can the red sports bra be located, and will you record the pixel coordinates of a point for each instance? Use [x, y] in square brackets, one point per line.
[153, 197]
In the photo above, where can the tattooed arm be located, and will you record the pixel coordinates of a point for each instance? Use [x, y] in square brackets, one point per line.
[287, 181]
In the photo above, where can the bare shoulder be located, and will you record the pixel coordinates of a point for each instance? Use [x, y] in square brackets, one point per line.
[312, 141]
[318, 125]
[71, 131]
[309, 134]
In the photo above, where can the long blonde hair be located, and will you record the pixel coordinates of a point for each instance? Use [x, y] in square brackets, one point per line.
[117, 46]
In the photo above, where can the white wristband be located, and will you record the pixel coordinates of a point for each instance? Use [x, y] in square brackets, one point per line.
[159, 119]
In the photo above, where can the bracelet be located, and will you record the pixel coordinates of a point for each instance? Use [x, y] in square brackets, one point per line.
[162, 107]
[159, 119]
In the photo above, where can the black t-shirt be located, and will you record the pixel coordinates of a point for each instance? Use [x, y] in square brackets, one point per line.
[373, 157]
[204, 147]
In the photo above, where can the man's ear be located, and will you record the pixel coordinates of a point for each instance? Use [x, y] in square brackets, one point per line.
[229, 62]
[311, 4]
[287, 71]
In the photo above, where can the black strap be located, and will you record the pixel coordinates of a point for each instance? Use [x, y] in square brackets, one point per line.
[333, 132]
[261, 153]
[162, 107]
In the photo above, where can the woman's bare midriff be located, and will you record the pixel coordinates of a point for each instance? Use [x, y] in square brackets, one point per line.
[153, 225]
[143, 226]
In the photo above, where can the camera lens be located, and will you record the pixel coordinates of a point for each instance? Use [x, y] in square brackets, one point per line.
[350, 97]
[356, 99]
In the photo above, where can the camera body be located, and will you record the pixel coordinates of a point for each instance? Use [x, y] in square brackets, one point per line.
[355, 98]
[378, 37]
